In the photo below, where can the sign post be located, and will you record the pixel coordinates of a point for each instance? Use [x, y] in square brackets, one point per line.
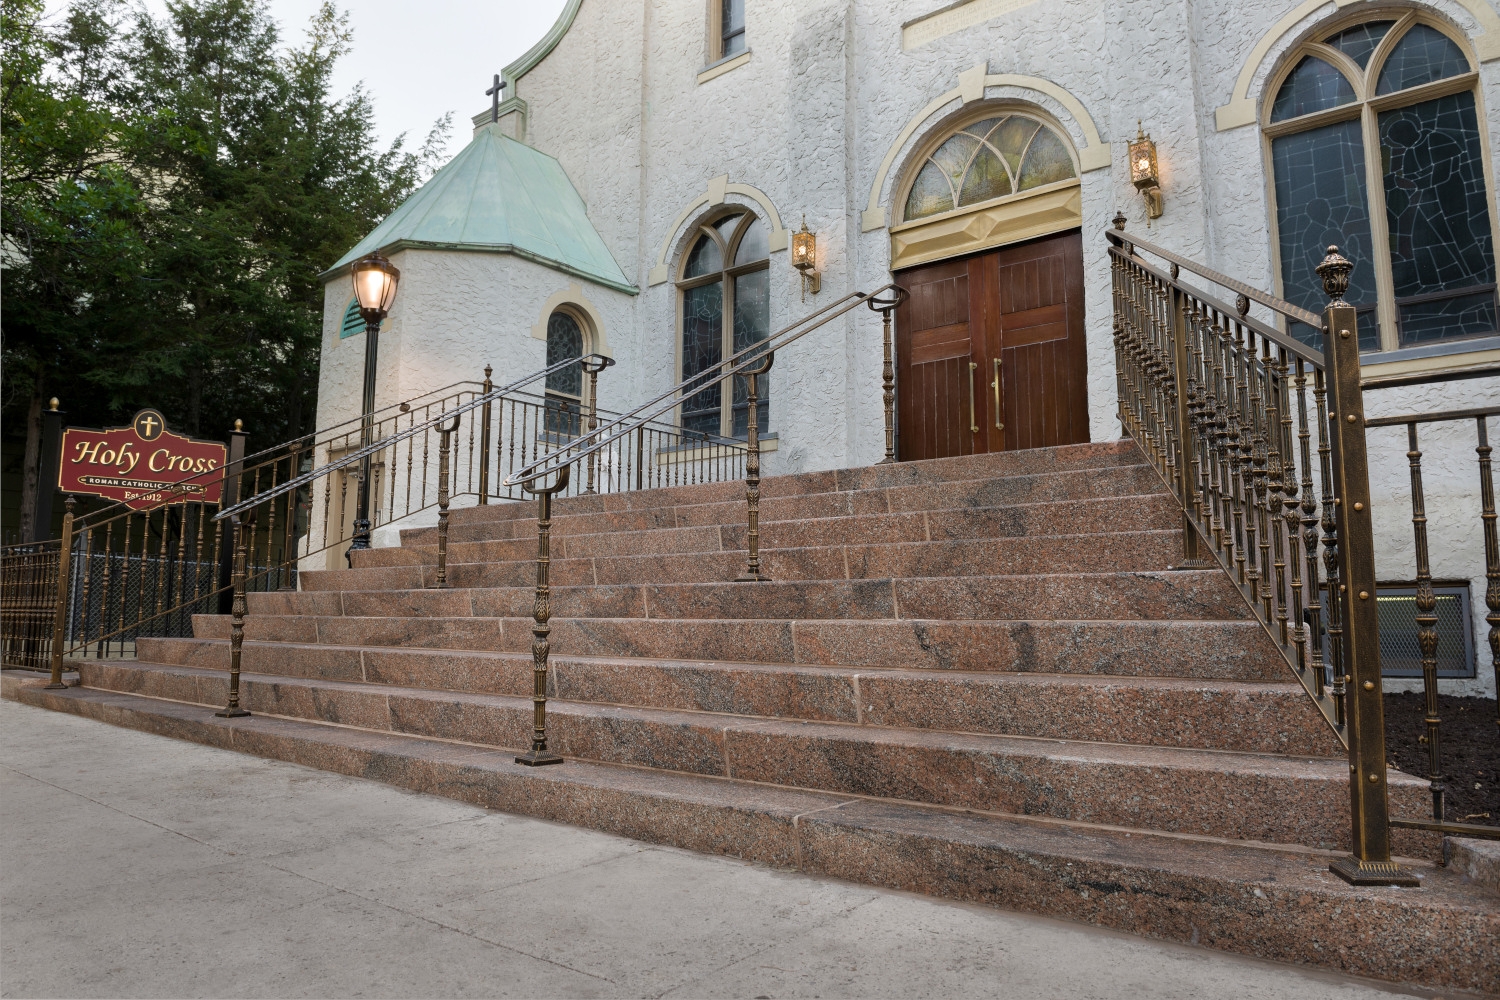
[41, 511]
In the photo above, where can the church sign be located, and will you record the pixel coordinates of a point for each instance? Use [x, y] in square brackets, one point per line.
[142, 465]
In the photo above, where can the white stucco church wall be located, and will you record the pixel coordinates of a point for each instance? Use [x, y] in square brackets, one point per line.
[821, 121]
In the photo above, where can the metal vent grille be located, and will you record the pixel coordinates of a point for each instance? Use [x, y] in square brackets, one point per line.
[1401, 654]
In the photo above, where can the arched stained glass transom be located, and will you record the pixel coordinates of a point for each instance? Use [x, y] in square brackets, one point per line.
[994, 158]
[1375, 146]
[726, 307]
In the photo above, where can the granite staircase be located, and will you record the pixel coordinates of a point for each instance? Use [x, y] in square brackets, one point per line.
[978, 678]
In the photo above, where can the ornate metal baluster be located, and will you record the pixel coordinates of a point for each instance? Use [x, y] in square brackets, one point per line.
[1427, 636]
[88, 575]
[1276, 422]
[1491, 548]
[542, 614]
[1331, 554]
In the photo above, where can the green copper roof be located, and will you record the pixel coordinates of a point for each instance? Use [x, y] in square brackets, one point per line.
[501, 196]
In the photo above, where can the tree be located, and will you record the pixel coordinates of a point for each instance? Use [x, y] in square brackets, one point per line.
[172, 187]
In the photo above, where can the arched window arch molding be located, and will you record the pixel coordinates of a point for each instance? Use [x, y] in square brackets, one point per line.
[717, 194]
[1483, 34]
[977, 84]
[1365, 108]
[574, 301]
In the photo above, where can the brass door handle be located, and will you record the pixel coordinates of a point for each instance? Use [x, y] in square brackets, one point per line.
[973, 414]
[996, 386]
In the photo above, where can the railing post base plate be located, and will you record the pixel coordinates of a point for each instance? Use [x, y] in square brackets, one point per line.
[1357, 872]
[753, 578]
[538, 758]
[59, 686]
[231, 713]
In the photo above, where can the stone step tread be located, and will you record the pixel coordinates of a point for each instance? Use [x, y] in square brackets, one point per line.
[1238, 715]
[1170, 647]
[1263, 797]
[1275, 902]
[1133, 595]
[1301, 766]
[425, 553]
[1102, 455]
[920, 504]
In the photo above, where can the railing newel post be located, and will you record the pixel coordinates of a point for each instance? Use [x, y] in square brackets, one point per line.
[888, 367]
[242, 529]
[486, 438]
[541, 614]
[753, 572]
[60, 608]
[1370, 861]
[445, 448]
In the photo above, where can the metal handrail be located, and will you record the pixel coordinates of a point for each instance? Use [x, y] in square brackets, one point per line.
[1437, 416]
[1253, 294]
[736, 364]
[354, 457]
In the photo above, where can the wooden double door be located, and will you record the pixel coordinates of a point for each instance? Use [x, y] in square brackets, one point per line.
[990, 351]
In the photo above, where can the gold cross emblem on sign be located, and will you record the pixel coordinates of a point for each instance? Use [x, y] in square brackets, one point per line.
[149, 425]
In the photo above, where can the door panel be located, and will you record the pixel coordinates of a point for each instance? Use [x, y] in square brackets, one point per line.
[990, 352]
[934, 347]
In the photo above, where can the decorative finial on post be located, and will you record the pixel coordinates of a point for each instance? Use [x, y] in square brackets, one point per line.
[54, 403]
[1335, 271]
[1119, 220]
[239, 425]
[494, 95]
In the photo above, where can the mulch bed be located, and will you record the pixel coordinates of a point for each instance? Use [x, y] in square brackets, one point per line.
[1469, 745]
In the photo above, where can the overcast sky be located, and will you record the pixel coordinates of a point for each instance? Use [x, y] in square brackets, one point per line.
[419, 60]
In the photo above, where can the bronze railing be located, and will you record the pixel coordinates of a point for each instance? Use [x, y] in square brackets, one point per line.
[132, 572]
[750, 363]
[1426, 600]
[1261, 439]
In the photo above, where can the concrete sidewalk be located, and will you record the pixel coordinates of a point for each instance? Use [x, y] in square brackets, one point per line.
[137, 865]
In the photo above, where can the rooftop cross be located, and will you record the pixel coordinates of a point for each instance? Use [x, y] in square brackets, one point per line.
[494, 95]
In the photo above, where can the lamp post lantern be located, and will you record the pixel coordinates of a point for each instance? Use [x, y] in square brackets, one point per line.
[375, 280]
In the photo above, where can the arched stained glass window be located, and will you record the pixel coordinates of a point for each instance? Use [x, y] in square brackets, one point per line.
[1000, 156]
[564, 387]
[1416, 219]
[725, 309]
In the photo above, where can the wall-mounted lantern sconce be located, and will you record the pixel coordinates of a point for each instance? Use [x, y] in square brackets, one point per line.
[805, 259]
[1144, 173]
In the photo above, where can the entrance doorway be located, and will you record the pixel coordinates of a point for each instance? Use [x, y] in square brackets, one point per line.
[990, 351]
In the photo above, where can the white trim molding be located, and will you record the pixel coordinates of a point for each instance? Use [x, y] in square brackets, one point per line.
[1093, 154]
[718, 190]
[573, 297]
[1241, 107]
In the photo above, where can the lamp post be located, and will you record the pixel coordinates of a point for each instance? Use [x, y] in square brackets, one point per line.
[375, 281]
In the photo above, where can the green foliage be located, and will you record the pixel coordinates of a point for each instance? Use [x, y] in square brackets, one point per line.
[171, 189]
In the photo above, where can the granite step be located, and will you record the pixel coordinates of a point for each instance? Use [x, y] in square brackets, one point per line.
[1146, 711]
[1052, 487]
[1157, 512]
[1190, 595]
[1232, 650]
[1238, 796]
[1275, 903]
[1108, 454]
[1113, 552]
